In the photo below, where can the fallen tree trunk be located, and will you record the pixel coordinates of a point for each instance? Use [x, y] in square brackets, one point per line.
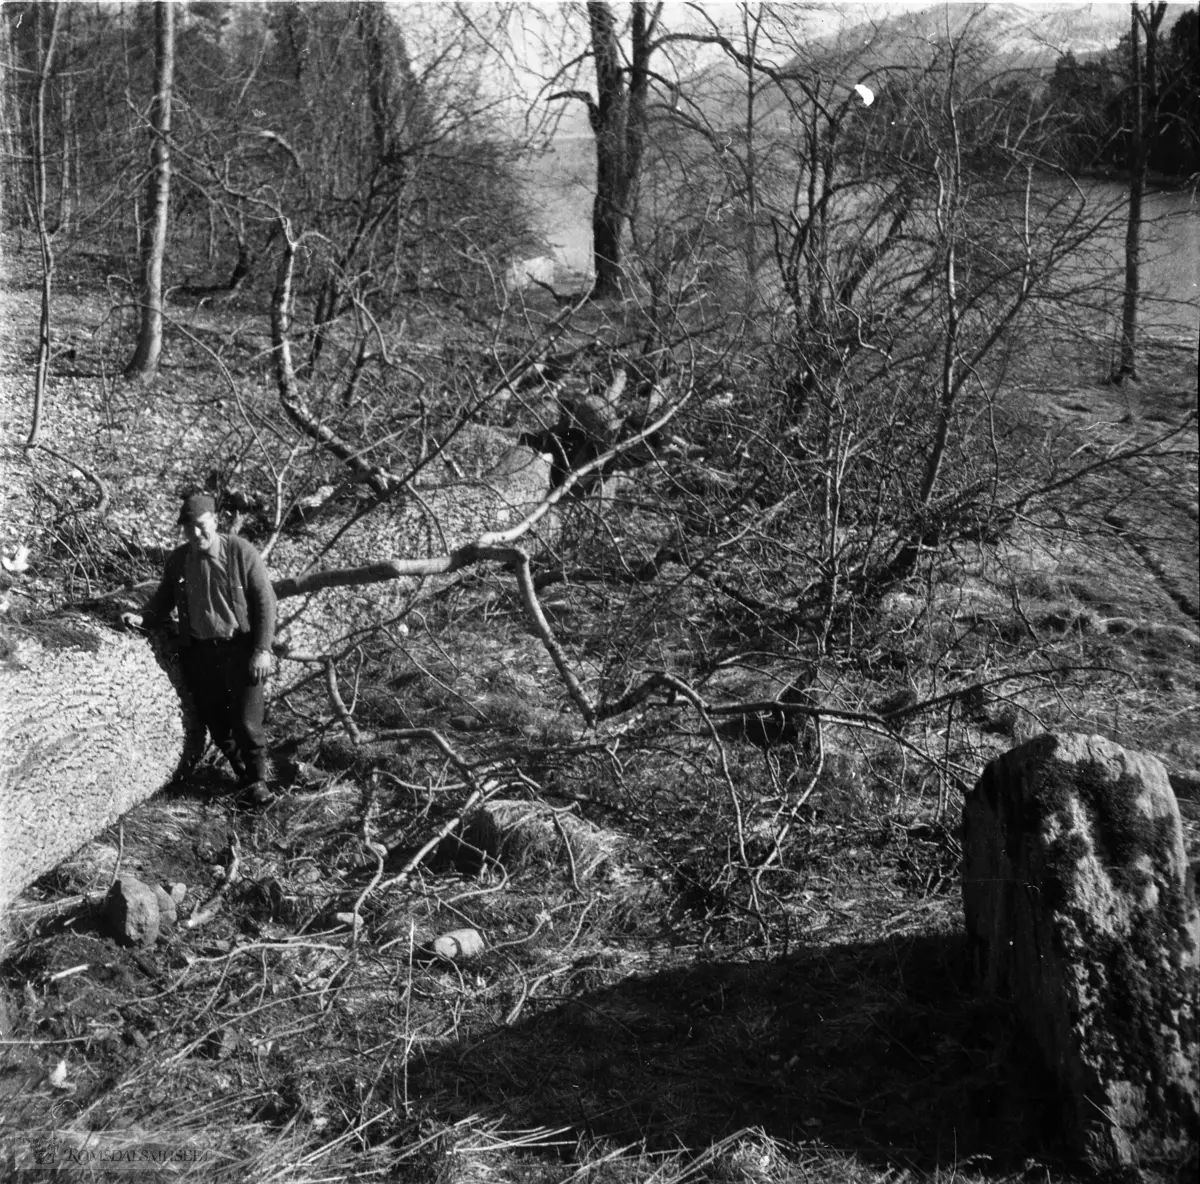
[92, 722]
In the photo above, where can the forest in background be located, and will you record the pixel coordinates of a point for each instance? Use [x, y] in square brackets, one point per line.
[846, 503]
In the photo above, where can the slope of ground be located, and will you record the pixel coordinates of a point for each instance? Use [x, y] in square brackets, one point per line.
[694, 1008]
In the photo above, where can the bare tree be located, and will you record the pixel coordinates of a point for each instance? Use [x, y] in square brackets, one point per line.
[144, 363]
[68, 175]
[618, 117]
[8, 125]
[39, 190]
[1139, 158]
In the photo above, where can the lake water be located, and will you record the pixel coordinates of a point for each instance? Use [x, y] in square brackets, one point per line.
[1170, 260]
[563, 183]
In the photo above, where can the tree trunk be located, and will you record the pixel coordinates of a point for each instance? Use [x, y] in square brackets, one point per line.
[144, 363]
[65, 187]
[42, 367]
[1126, 365]
[8, 125]
[751, 27]
[618, 120]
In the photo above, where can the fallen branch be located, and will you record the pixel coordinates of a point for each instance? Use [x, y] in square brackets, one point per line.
[203, 913]
[339, 704]
[459, 558]
[557, 656]
[54, 910]
[93, 477]
[377, 573]
[383, 483]
[486, 791]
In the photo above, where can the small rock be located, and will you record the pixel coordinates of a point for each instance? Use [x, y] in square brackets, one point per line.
[354, 920]
[223, 1044]
[178, 892]
[131, 910]
[166, 906]
[459, 945]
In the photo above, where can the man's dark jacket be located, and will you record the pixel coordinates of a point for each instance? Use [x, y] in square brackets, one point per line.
[250, 593]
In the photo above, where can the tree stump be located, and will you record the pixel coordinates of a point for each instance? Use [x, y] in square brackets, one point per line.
[92, 723]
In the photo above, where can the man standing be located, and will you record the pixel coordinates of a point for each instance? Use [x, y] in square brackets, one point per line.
[218, 586]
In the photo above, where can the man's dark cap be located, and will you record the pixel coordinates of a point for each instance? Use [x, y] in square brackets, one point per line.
[195, 507]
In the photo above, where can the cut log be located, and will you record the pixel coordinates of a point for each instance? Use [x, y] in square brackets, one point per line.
[1080, 909]
[92, 722]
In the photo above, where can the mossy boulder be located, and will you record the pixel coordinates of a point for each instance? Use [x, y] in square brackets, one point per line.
[1079, 908]
[521, 835]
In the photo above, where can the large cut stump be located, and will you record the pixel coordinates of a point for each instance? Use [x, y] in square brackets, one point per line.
[91, 724]
[1079, 909]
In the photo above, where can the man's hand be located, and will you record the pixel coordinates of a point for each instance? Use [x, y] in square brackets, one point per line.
[131, 620]
[260, 666]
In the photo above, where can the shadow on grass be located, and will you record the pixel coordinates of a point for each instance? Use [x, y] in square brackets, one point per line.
[876, 1050]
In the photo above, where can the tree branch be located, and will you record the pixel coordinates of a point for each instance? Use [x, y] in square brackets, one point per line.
[380, 481]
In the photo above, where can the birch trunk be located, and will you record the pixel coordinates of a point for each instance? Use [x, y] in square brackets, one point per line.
[144, 363]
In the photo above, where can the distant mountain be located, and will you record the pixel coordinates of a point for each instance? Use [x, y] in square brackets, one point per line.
[1022, 36]
[1028, 35]
[873, 37]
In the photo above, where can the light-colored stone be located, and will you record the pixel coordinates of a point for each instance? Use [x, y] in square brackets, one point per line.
[532, 269]
[131, 911]
[1080, 910]
[459, 945]
[166, 906]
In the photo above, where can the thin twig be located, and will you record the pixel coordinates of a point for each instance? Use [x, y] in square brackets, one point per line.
[203, 913]
[782, 833]
[562, 830]
[92, 476]
[480, 795]
[120, 851]
[339, 704]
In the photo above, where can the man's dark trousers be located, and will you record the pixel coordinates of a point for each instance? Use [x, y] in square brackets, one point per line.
[231, 706]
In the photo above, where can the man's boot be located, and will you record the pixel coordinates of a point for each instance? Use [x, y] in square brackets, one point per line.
[257, 793]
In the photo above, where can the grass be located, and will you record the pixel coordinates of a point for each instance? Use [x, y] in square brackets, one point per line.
[760, 976]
